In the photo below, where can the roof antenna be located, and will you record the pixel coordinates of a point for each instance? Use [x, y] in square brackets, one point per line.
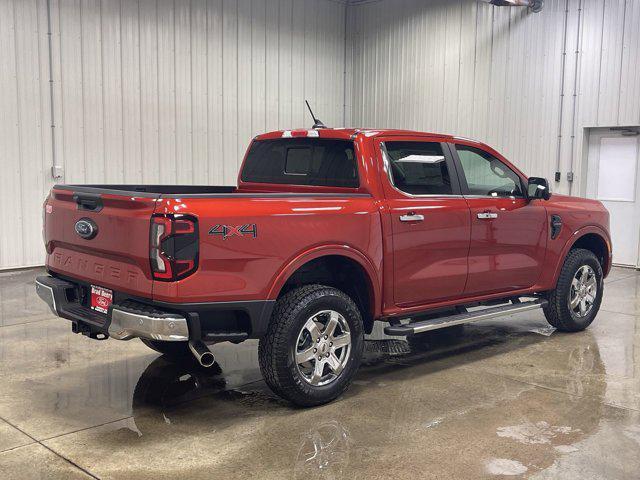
[317, 123]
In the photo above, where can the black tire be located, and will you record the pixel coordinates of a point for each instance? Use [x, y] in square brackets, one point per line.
[558, 312]
[276, 351]
[170, 349]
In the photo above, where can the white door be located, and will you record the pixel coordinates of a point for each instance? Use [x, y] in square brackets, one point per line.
[612, 179]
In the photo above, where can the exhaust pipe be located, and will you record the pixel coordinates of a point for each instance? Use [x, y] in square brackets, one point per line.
[202, 353]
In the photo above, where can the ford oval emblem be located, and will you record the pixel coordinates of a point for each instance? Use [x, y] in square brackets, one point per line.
[86, 228]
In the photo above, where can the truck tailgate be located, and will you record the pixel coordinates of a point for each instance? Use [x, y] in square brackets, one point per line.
[117, 257]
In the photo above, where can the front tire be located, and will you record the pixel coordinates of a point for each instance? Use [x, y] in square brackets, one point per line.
[575, 302]
[313, 345]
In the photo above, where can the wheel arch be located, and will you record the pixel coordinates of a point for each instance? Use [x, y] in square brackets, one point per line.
[342, 267]
[591, 238]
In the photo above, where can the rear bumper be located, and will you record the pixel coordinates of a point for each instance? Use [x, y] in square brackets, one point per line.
[131, 318]
[126, 325]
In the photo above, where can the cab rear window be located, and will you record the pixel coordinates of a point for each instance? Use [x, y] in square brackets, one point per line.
[302, 161]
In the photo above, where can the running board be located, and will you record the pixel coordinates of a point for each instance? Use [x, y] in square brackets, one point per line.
[459, 319]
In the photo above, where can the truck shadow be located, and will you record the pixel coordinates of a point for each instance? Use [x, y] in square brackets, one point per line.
[167, 383]
[448, 347]
[183, 400]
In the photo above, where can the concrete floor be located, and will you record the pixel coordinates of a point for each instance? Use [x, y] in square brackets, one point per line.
[507, 397]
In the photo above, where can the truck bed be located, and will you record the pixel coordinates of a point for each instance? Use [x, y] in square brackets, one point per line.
[192, 191]
[283, 226]
[150, 190]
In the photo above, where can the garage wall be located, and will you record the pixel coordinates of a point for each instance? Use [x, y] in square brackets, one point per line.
[172, 91]
[25, 133]
[152, 91]
[527, 84]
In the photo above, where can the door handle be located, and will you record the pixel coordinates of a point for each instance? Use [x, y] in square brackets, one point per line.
[487, 215]
[411, 217]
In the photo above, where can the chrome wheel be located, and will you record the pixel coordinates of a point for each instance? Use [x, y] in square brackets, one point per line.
[583, 292]
[323, 347]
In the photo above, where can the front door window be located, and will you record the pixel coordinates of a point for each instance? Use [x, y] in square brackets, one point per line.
[486, 175]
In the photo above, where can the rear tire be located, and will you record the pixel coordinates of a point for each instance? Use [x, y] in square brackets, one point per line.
[313, 345]
[575, 302]
[170, 349]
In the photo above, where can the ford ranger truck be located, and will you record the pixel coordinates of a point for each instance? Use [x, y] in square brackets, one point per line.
[327, 232]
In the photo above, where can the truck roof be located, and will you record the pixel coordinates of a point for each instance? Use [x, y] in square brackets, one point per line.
[349, 133]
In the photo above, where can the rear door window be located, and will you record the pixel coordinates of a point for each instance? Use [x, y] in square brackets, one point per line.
[419, 168]
[302, 161]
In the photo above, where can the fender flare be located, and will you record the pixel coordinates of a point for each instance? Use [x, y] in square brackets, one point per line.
[577, 235]
[323, 251]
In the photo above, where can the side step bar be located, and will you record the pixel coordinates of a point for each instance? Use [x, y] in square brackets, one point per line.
[467, 317]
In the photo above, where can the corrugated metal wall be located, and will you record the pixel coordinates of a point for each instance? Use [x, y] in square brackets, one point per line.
[171, 91]
[25, 135]
[501, 75]
[152, 91]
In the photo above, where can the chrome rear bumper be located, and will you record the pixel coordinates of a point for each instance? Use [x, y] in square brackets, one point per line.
[126, 325]
[45, 292]
[121, 323]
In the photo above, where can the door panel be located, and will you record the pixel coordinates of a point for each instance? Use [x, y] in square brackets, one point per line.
[508, 232]
[507, 252]
[429, 220]
[430, 256]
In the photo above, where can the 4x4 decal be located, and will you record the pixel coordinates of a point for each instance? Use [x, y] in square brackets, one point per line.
[227, 231]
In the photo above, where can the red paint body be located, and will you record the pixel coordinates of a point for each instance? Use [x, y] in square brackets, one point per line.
[450, 258]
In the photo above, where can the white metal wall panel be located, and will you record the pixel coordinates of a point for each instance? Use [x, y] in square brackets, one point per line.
[172, 91]
[25, 138]
[590, 61]
[153, 91]
[629, 112]
[496, 74]
[611, 54]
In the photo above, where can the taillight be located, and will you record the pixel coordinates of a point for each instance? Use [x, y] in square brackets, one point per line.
[173, 247]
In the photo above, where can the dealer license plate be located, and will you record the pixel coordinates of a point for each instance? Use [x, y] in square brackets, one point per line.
[101, 298]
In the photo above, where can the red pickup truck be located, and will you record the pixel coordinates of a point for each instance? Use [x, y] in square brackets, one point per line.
[327, 231]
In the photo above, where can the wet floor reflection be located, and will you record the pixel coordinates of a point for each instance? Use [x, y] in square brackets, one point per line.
[18, 302]
[505, 397]
[323, 453]
[407, 389]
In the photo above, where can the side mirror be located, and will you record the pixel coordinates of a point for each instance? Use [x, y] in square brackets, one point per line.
[538, 187]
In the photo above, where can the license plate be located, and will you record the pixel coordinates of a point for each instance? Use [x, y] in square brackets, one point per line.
[101, 298]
